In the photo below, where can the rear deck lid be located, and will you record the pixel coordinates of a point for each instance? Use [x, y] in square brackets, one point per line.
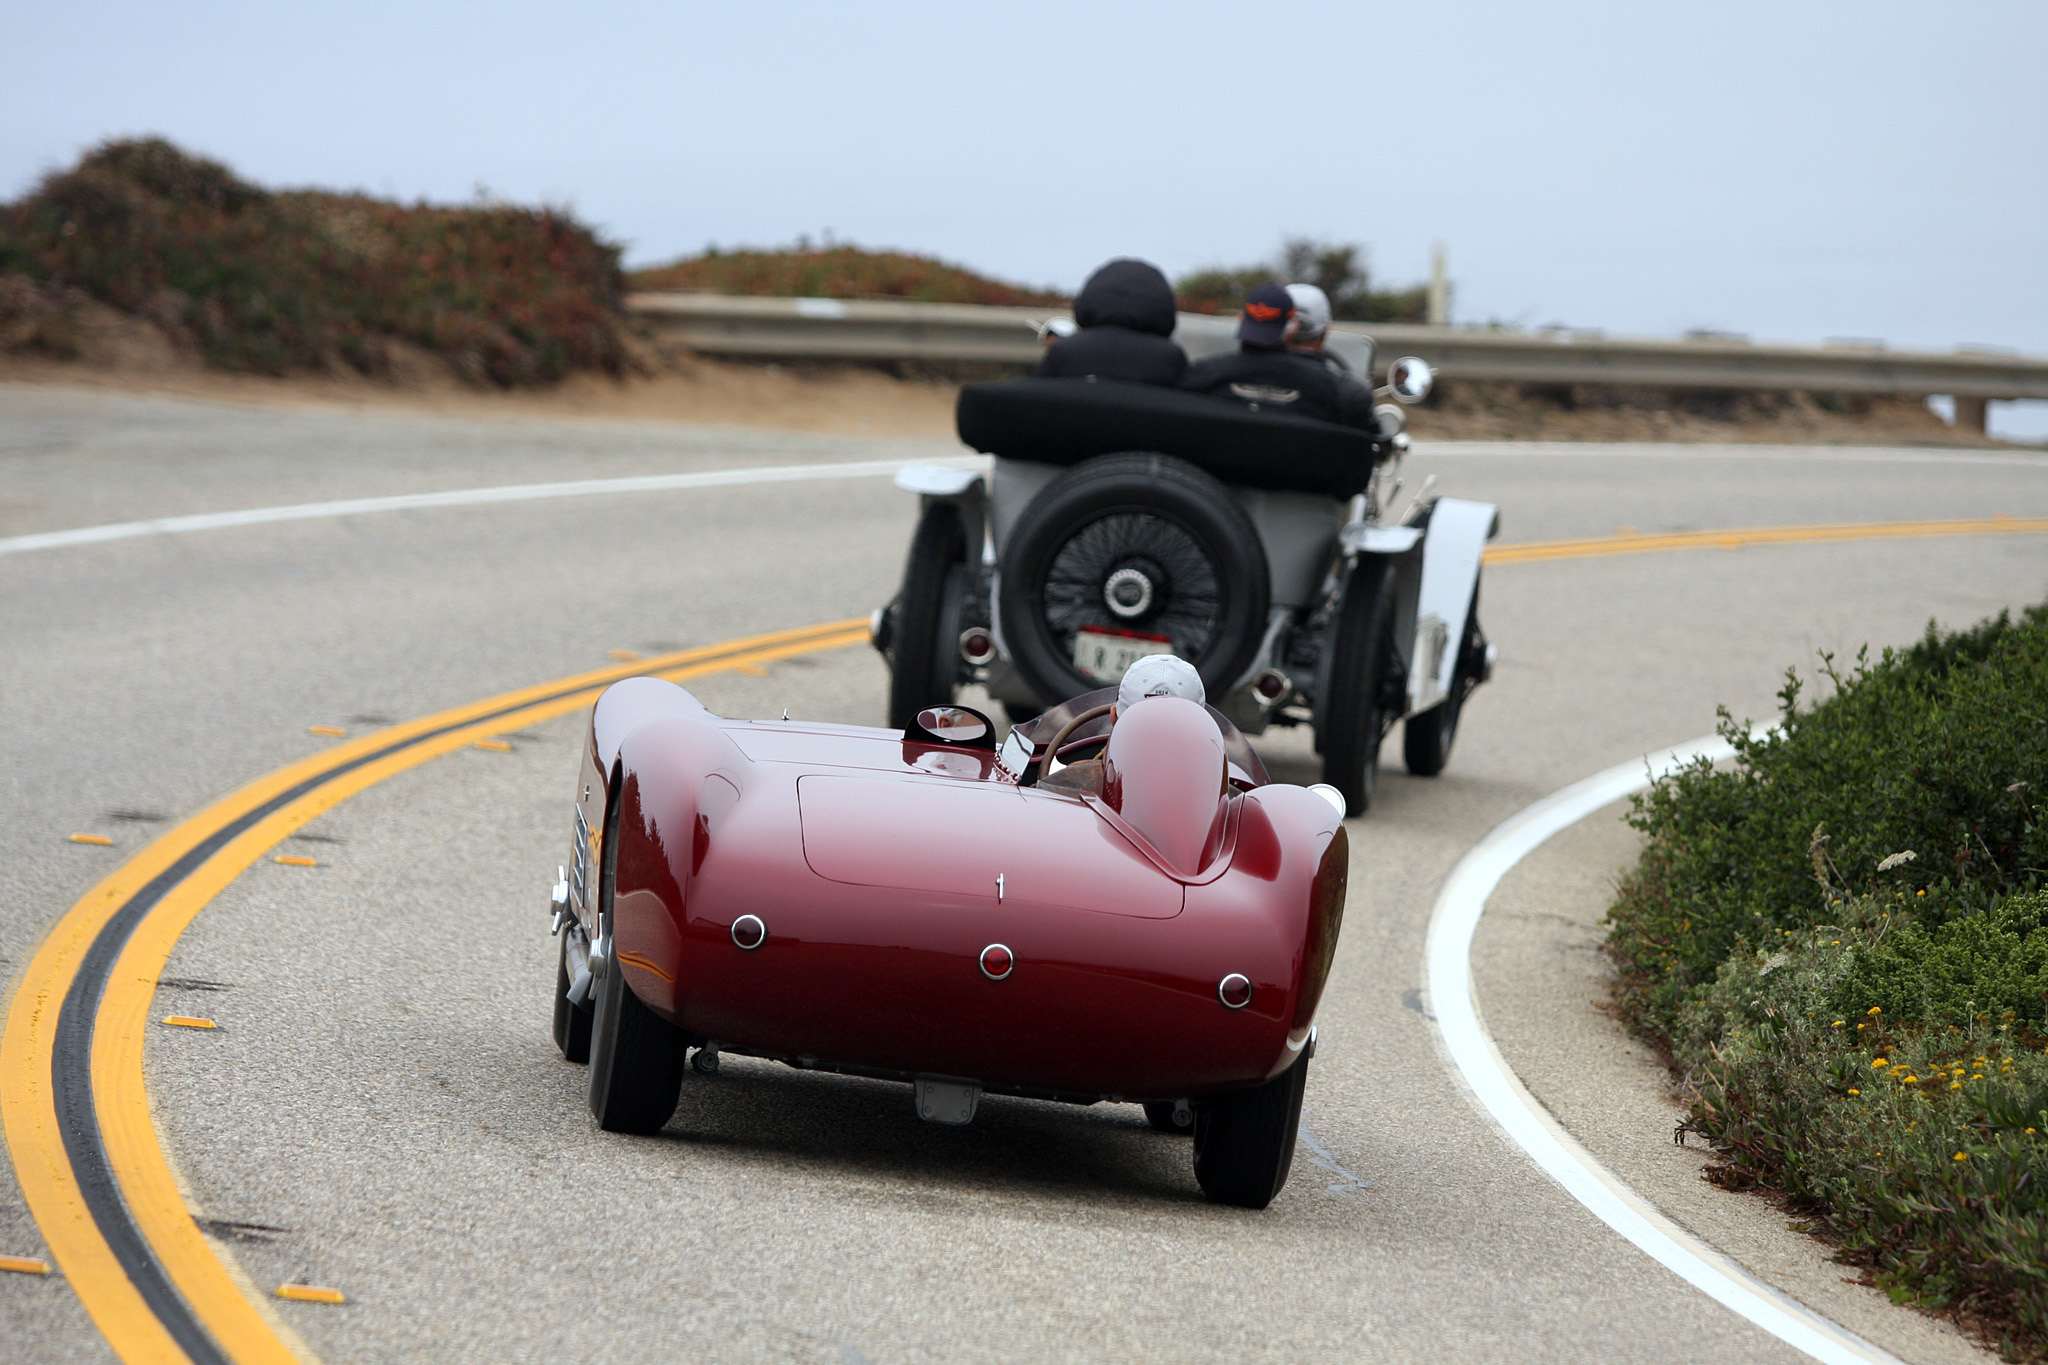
[955, 838]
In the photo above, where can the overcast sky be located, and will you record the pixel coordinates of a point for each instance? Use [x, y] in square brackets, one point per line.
[1794, 170]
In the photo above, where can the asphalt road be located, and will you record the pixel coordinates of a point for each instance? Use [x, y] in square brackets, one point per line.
[382, 1109]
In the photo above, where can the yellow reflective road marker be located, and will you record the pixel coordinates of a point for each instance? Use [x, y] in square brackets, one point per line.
[496, 745]
[188, 1021]
[334, 730]
[194, 1293]
[25, 1265]
[99, 839]
[293, 860]
[310, 1293]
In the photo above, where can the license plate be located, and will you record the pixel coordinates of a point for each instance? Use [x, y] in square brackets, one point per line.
[1104, 654]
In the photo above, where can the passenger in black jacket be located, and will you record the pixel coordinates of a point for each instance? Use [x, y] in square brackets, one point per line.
[1126, 315]
[1265, 376]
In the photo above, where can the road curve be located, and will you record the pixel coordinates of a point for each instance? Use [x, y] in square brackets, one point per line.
[381, 1109]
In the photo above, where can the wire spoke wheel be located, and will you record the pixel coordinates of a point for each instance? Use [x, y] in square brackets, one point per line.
[1134, 544]
[1170, 582]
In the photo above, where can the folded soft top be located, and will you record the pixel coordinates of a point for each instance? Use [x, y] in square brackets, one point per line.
[1066, 421]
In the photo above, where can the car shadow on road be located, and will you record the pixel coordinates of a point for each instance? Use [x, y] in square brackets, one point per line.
[754, 1111]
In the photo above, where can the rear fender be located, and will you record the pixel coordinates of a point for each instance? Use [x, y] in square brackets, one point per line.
[1280, 910]
[964, 488]
[673, 781]
[621, 709]
[1398, 551]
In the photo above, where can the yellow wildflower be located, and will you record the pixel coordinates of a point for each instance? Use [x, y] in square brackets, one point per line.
[1854, 1091]
[1962, 1156]
[1875, 1009]
[1879, 1062]
[1836, 1024]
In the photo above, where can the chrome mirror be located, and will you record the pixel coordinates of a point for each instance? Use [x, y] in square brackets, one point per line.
[953, 724]
[1409, 379]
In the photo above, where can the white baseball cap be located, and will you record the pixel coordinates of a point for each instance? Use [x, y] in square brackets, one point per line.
[1311, 311]
[1159, 675]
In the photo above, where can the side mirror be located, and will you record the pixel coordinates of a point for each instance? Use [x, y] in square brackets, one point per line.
[1409, 379]
[955, 725]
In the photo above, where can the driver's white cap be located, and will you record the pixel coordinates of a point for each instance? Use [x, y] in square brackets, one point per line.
[1311, 311]
[1159, 675]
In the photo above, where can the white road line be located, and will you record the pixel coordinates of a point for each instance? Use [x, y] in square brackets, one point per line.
[727, 478]
[1448, 969]
[469, 497]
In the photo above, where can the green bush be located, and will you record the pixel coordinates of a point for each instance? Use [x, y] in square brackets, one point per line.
[1842, 942]
[307, 280]
[1940, 750]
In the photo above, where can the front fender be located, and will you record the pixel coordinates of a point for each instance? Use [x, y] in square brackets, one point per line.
[1451, 550]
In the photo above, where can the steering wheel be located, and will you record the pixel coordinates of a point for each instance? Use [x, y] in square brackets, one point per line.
[1066, 731]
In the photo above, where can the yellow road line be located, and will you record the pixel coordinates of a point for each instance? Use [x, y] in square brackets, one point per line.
[133, 1151]
[1638, 544]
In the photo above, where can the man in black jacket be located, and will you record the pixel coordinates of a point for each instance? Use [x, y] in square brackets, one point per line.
[1265, 376]
[1126, 315]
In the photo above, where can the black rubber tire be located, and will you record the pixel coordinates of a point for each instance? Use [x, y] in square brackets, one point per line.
[1354, 718]
[1189, 516]
[923, 654]
[1244, 1140]
[1159, 1113]
[572, 1022]
[636, 1056]
[1427, 736]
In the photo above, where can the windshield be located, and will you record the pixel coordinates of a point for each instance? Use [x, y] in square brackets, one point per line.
[1246, 769]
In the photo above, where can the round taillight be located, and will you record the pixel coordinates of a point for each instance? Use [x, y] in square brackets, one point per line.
[1235, 991]
[977, 646]
[997, 962]
[749, 932]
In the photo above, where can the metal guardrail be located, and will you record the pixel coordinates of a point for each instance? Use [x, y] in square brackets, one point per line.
[833, 329]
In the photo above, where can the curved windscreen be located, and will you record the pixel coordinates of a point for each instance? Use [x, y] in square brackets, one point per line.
[1236, 748]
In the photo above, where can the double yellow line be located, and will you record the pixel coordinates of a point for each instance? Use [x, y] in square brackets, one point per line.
[71, 1085]
[75, 1111]
[1636, 543]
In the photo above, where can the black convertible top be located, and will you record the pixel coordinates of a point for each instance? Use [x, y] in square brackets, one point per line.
[1066, 421]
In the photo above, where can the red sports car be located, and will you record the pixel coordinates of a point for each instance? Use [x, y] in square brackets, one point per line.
[917, 905]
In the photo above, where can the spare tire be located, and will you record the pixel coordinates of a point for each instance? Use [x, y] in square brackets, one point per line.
[1139, 546]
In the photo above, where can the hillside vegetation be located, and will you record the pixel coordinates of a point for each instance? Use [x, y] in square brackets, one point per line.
[273, 282]
[1337, 268]
[837, 272]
